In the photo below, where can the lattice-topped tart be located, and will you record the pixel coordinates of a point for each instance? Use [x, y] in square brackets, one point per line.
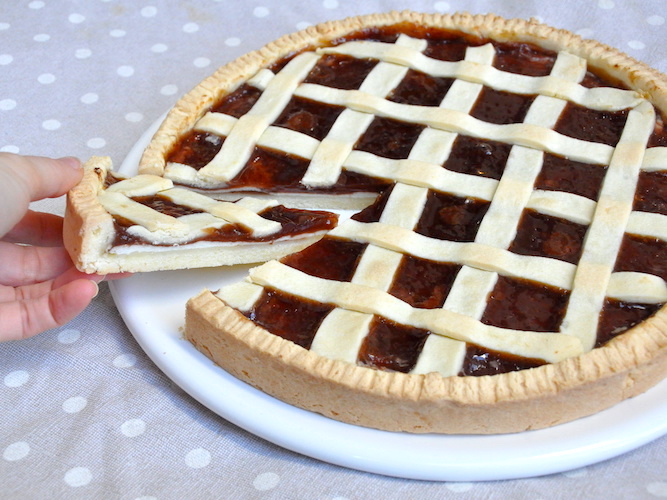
[507, 270]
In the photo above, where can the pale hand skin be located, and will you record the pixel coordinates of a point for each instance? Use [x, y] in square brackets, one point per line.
[40, 288]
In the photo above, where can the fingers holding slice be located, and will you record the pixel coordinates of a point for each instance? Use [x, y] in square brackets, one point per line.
[37, 228]
[24, 318]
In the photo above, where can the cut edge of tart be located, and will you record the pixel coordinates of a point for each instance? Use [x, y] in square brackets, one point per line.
[117, 224]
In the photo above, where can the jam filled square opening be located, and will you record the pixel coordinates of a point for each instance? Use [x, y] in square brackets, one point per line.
[481, 157]
[390, 346]
[642, 254]
[543, 235]
[496, 106]
[389, 138]
[289, 317]
[592, 125]
[449, 217]
[561, 174]
[340, 72]
[423, 283]
[341, 257]
[520, 304]
[308, 117]
[420, 89]
[651, 194]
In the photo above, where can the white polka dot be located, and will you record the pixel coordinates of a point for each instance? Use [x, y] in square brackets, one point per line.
[198, 458]
[606, 4]
[191, 27]
[76, 18]
[78, 476]
[330, 4]
[117, 33]
[89, 98]
[657, 489]
[16, 378]
[149, 11]
[7, 104]
[51, 124]
[133, 428]
[459, 487]
[585, 33]
[266, 481]
[82, 53]
[146, 498]
[5, 59]
[75, 404]
[10, 148]
[69, 336]
[96, 143]
[169, 89]
[134, 117]
[303, 25]
[233, 42]
[125, 71]
[46, 78]
[636, 44]
[441, 6]
[655, 20]
[159, 48]
[260, 12]
[16, 451]
[4, 26]
[42, 37]
[201, 62]
[36, 5]
[125, 361]
[582, 472]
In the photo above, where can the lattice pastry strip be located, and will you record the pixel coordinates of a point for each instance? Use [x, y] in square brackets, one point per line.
[608, 226]
[156, 227]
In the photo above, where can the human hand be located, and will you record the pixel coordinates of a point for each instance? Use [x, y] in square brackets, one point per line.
[39, 286]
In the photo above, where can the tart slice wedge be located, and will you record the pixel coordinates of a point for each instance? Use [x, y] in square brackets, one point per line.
[143, 223]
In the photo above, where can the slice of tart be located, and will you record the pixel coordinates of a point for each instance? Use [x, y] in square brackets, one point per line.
[511, 275]
[144, 223]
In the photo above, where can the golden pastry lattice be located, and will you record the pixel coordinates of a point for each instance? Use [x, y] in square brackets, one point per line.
[487, 257]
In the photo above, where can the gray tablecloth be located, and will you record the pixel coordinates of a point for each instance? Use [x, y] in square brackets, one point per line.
[84, 413]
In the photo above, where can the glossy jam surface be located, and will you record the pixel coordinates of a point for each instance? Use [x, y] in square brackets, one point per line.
[513, 303]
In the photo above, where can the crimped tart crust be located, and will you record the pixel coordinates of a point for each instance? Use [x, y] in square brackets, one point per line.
[578, 378]
[103, 207]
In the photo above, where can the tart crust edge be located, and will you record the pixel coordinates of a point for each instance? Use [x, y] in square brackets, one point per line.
[530, 399]
[193, 105]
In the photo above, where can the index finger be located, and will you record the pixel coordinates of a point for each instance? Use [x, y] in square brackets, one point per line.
[24, 179]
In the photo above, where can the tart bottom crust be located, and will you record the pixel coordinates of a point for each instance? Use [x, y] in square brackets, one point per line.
[511, 402]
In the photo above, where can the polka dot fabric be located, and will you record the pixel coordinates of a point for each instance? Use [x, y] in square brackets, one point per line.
[83, 412]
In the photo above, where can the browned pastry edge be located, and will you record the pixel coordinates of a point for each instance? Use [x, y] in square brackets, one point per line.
[194, 104]
[512, 402]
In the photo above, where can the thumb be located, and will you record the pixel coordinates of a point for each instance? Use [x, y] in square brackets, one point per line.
[24, 179]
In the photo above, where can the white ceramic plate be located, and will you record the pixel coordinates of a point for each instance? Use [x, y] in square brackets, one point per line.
[152, 306]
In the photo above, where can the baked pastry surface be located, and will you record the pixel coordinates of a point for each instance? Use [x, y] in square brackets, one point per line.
[510, 275]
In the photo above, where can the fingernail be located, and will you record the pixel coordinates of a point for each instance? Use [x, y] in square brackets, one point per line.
[73, 162]
[97, 288]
